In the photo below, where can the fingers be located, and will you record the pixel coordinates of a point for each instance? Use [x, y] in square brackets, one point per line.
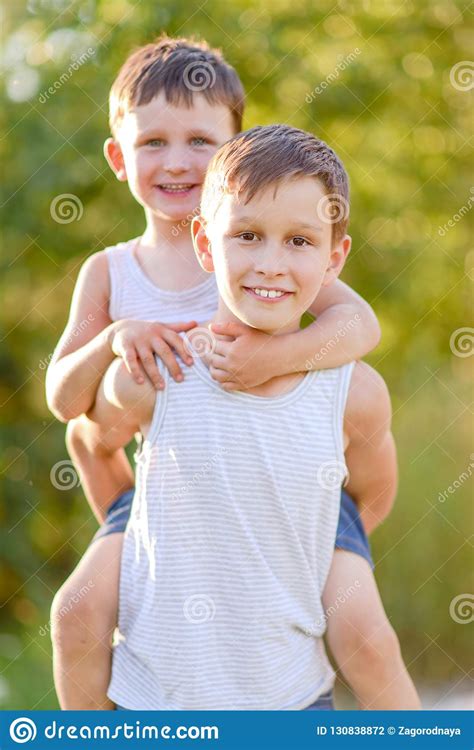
[220, 375]
[148, 362]
[168, 358]
[179, 345]
[129, 356]
[181, 326]
[227, 329]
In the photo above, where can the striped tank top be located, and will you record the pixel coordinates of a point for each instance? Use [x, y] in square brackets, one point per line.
[133, 295]
[229, 546]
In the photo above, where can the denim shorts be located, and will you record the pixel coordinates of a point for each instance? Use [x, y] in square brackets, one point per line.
[323, 703]
[350, 533]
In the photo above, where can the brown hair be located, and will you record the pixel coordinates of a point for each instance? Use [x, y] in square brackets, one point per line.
[265, 155]
[179, 68]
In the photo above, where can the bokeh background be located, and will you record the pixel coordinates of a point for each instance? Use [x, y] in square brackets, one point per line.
[389, 85]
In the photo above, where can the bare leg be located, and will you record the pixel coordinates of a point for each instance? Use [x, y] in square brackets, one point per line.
[361, 638]
[83, 619]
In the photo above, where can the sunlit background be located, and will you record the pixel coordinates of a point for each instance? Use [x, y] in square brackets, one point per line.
[389, 85]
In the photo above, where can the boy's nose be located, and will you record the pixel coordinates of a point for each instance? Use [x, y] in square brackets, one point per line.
[176, 161]
[272, 262]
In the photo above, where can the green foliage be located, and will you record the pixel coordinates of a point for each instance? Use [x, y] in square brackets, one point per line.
[375, 80]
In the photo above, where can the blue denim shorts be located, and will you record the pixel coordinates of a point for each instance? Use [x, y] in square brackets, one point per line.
[323, 703]
[350, 533]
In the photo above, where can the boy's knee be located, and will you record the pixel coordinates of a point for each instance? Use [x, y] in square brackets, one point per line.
[74, 616]
[75, 436]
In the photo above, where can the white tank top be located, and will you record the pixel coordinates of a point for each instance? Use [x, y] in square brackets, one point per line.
[133, 295]
[229, 545]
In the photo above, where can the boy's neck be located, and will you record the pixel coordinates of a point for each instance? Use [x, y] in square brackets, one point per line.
[167, 256]
[276, 386]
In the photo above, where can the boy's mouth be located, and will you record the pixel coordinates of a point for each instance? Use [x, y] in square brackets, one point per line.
[176, 188]
[267, 294]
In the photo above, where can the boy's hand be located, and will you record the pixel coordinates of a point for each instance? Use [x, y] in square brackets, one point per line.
[136, 342]
[243, 357]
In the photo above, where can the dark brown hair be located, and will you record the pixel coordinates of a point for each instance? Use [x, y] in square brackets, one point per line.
[179, 68]
[265, 155]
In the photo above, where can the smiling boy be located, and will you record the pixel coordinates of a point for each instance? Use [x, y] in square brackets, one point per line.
[224, 571]
[164, 132]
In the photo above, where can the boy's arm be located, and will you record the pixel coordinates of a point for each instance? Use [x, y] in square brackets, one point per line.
[95, 440]
[346, 329]
[91, 341]
[370, 455]
[83, 353]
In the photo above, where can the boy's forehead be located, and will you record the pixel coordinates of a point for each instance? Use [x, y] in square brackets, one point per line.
[179, 116]
[293, 199]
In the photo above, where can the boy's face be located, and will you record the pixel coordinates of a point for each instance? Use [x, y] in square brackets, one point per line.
[275, 243]
[163, 149]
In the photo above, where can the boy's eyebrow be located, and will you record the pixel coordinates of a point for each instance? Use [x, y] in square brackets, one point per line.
[156, 129]
[300, 225]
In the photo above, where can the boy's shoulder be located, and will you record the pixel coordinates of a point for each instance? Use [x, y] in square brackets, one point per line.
[368, 407]
[94, 274]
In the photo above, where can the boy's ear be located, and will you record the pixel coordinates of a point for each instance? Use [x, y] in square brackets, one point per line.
[113, 154]
[337, 258]
[202, 246]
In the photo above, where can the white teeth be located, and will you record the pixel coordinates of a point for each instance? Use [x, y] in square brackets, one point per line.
[268, 293]
[176, 187]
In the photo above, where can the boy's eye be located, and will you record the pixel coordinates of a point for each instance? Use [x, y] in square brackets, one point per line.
[199, 141]
[299, 241]
[247, 236]
[155, 142]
